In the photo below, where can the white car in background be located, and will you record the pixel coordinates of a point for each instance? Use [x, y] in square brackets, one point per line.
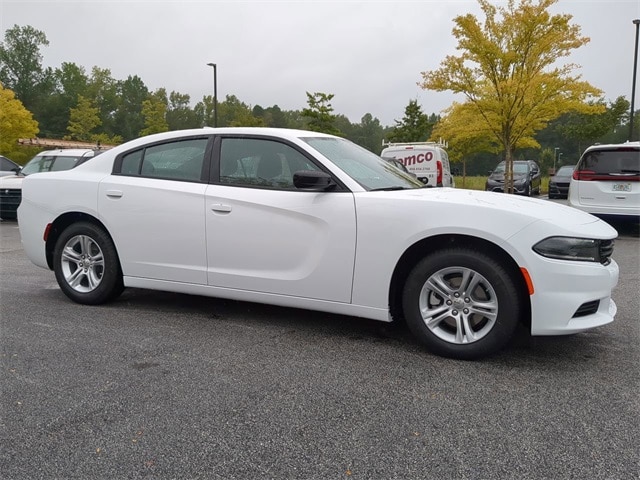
[47, 161]
[8, 167]
[309, 220]
[606, 181]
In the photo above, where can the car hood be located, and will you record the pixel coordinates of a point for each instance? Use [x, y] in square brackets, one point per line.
[11, 181]
[500, 176]
[497, 214]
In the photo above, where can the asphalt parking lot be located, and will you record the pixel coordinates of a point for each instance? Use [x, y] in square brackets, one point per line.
[159, 385]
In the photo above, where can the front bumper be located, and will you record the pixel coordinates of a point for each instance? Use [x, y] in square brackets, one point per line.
[571, 297]
[10, 199]
[520, 189]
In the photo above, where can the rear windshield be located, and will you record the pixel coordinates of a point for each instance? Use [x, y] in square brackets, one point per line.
[612, 162]
[51, 163]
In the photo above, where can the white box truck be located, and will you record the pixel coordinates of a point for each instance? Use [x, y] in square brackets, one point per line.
[428, 161]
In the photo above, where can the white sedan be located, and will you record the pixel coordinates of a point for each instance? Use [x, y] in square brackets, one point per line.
[308, 220]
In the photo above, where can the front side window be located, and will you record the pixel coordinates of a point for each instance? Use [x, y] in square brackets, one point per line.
[254, 162]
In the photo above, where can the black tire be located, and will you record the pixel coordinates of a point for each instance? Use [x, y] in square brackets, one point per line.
[491, 309]
[86, 264]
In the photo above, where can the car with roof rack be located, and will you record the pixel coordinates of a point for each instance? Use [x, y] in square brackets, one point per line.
[47, 161]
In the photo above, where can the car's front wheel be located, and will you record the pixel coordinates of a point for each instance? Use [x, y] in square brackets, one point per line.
[461, 303]
[86, 264]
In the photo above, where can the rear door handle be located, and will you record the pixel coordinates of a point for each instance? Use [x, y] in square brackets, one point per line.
[114, 193]
[220, 208]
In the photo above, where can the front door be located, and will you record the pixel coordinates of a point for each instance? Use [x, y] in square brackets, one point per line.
[263, 235]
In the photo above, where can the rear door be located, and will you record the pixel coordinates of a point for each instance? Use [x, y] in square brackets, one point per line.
[154, 203]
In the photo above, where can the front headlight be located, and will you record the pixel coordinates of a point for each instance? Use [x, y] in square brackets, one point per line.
[580, 249]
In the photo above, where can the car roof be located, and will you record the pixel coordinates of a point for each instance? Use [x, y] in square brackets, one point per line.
[611, 146]
[78, 152]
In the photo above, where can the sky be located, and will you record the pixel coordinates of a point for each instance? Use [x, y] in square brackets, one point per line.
[369, 54]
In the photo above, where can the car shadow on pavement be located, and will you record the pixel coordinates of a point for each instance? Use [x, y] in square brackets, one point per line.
[301, 325]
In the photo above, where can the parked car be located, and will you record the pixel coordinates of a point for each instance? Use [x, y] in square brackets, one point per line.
[606, 181]
[428, 161]
[527, 178]
[559, 183]
[8, 167]
[308, 220]
[47, 161]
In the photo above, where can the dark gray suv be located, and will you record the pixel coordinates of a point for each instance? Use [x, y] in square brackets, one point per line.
[526, 178]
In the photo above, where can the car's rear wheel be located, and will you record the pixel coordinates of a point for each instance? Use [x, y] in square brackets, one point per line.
[461, 303]
[86, 264]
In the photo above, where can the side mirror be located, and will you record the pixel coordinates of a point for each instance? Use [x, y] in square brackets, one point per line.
[313, 181]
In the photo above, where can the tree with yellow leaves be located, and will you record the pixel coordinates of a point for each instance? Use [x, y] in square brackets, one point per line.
[508, 71]
[15, 122]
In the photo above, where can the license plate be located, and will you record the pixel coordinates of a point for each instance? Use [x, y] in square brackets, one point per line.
[621, 187]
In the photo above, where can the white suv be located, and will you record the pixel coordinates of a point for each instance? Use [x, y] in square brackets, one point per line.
[606, 181]
[47, 161]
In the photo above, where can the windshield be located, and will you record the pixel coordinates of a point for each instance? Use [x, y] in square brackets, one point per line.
[366, 168]
[50, 163]
[565, 171]
[517, 168]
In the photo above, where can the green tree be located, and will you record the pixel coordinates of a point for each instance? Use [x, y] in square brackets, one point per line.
[204, 111]
[179, 113]
[15, 122]
[235, 113]
[154, 112]
[82, 120]
[368, 133]
[128, 118]
[103, 90]
[509, 73]
[21, 63]
[70, 81]
[414, 126]
[319, 113]
[585, 130]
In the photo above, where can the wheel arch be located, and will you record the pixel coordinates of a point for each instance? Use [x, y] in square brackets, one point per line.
[61, 223]
[439, 242]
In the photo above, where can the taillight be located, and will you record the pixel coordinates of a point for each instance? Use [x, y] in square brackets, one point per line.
[439, 177]
[587, 175]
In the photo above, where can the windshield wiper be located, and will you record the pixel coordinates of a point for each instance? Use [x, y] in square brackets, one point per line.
[389, 189]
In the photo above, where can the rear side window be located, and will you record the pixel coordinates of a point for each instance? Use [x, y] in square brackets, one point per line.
[179, 160]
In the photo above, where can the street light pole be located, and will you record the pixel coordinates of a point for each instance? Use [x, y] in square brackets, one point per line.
[555, 158]
[636, 22]
[215, 93]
